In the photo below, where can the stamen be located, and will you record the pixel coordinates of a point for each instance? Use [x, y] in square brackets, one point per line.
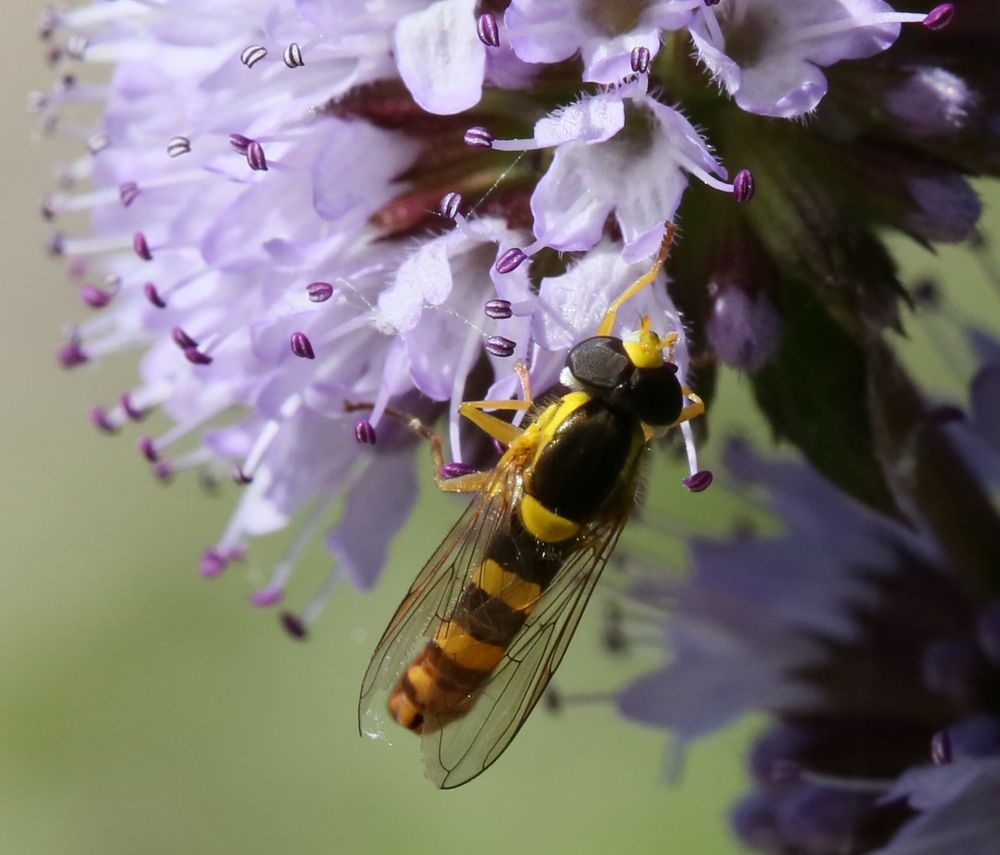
[936, 19]
[82, 17]
[149, 289]
[469, 354]
[255, 156]
[72, 354]
[141, 247]
[197, 357]
[301, 346]
[479, 138]
[178, 146]
[743, 193]
[182, 339]
[148, 449]
[266, 596]
[364, 432]
[163, 470]
[267, 436]
[96, 143]
[319, 292]
[791, 771]
[212, 563]
[101, 420]
[48, 22]
[639, 59]
[712, 23]
[499, 310]
[450, 204]
[294, 626]
[488, 31]
[55, 204]
[252, 54]
[239, 143]
[500, 346]
[318, 603]
[136, 414]
[127, 192]
[96, 298]
[556, 700]
[510, 260]
[699, 479]
[941, 753]
[293, 56]
[939, 17]
[274, 588]
[743, 186]
[456, 470]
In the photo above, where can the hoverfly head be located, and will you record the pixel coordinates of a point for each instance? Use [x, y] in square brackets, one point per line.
[632, 374]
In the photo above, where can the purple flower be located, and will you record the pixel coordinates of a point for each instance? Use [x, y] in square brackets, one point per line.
[768, 54]
[869, 642]
[956, 805]
[266, 177]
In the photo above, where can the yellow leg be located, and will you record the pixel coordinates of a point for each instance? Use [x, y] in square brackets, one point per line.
[669, 233]
[500, 430]
[692, 410]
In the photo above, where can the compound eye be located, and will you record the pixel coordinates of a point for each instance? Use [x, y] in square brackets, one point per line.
[600, 363]
[655, 395]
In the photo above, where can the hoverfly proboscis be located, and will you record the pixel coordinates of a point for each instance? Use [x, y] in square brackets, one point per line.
[479, 634]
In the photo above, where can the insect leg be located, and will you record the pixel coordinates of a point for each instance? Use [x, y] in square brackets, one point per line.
[669, 233]
[500, 430]
[692, 410]
[471, 483]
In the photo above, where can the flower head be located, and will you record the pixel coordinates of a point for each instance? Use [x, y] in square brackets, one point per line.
[310, 215]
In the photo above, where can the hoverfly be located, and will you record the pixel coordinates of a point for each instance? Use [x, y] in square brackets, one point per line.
[473, 645]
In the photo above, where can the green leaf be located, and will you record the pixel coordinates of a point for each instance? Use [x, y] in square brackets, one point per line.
[814, 394]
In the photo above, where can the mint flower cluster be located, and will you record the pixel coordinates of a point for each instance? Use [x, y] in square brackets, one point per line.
[298, 206]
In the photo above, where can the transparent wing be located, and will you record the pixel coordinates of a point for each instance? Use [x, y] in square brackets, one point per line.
[464, 747]
[432, 597]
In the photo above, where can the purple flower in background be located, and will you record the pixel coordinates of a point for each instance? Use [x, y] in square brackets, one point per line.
[300, 207]
[877, 654]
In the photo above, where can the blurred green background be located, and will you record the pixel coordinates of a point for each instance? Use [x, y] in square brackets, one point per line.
[143, 708]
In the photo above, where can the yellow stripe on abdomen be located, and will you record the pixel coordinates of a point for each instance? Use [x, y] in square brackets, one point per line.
[543, 524]
[464, 650]
[495, 581]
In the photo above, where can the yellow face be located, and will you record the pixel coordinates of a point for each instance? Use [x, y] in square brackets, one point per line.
[644, 347]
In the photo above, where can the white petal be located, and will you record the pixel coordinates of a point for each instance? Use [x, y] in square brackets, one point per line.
[543, 31]
[590, 120]
[423, 279]
[569, 212]
[440, 57]
[610, 60]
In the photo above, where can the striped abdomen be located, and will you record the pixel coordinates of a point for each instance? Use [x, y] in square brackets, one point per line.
[585, 454]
